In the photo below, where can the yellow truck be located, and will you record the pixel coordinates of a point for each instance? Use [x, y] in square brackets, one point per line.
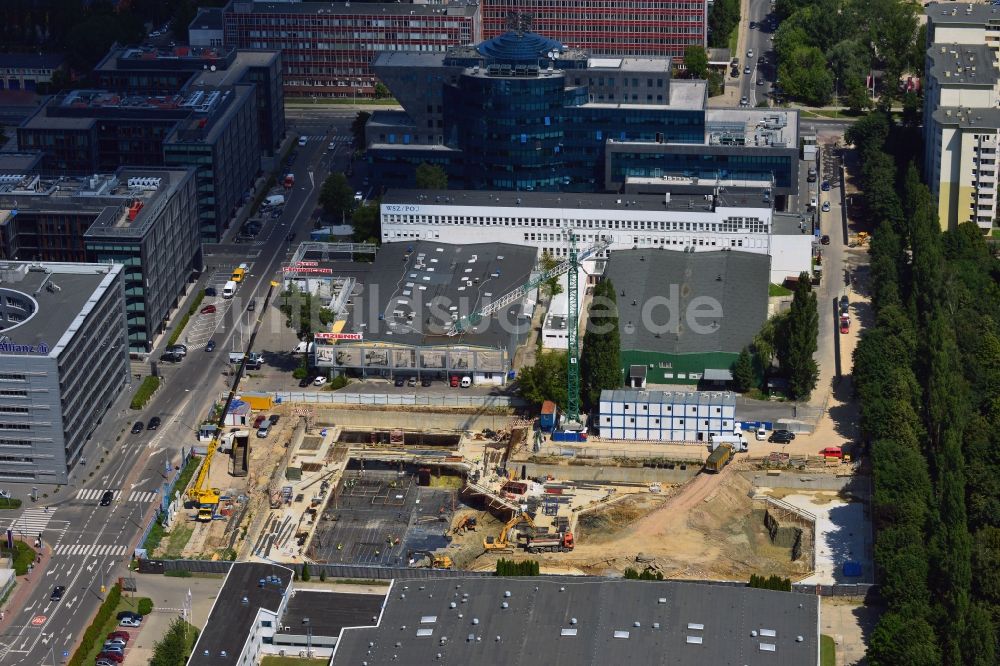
[239, 273]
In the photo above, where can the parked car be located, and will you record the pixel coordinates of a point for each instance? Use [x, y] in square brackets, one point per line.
[129, 622]
[178, 349]
[264, 430]
[124, 635]
[274, 418]
[210, 291]
[760, 80]
[746, 70]
[400, 381]
[112, 656]
[453, 382]
[107, 497]
[210, 346]
[825, 186]
[744, 101]
[137, 427]
[845, 304]
[57, 593]
[425, 382]
[411, 382]
[825, 240]
[826, 207]
[208, 309]
[104, 662]
[306, 381]
[253, 305]
[257, 421]
[171, 357]
[115, 642]
[110, 647]
[781, 436]
[154, 423]
[302, 141]
[319, 381]
[761, 434]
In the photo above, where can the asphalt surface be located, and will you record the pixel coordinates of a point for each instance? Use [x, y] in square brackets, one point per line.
[91, 545]
[762, 63]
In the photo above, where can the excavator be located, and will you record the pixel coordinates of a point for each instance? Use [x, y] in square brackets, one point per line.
[466, 523]
[436, 561]
[500, 544]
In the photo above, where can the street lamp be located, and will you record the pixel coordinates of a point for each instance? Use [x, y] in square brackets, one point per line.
[309, 636]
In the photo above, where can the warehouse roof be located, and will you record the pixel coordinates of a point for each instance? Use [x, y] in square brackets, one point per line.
[526, 621]
[689, 302]
[326, 612]
[435, 280]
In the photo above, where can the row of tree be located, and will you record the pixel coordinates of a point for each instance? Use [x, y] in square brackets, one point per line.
[927, 377]
[789, 338]
[173, 649]
[514, 568]
[828, 46]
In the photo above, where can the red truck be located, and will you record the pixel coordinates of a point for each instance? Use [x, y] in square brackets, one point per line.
[289, 181]
[559, 542]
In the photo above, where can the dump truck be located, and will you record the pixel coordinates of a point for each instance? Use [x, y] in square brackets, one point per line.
[719, 458]
[557, 542]
[423, 558]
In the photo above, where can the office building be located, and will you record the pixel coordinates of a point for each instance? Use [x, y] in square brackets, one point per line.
[525, 112]
[684, 317]
[207, 28]
[150, 70]
[327, 48]
[961, 120]
[145, 219]
[492, 621]
[214, 129]
[738, 220]
[608, 27]
[24, 71]
[392, 316]
[244, 616]
[63, 361]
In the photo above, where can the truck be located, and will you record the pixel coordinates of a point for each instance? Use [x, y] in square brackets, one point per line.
[736, 440]
[289, 181]
[549, 418]
[556, 542]
[229, 290]
[719, 458]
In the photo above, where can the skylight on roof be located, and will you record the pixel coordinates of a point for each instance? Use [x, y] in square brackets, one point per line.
[768, 647]
[771, 633]
[696, 626]
[427, 631]
[428, 619]
[621, 634]
[568, 631]
[694, 640]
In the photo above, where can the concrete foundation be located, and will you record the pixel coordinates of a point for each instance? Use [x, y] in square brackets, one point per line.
[609, 474]
[784, 534]
[374, 419]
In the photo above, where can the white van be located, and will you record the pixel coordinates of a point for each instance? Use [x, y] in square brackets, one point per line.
[466, 381]
[275, 200]
[229, 290]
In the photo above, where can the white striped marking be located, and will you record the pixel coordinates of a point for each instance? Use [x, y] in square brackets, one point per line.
[143, 497]
[33, 520]
[85, 550]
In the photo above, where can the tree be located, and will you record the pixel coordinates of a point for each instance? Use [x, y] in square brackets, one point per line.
[743, 374]
[696, 62]
[381, 91]
[171, 650]
[305, 572]
[431, 177]
[722, 20]
[367, 223]
[600, 358]
[550, 287]
[802, 327]
[358, 128]
[304, 312]
[545, 380]
[805, 75]
[336, 196]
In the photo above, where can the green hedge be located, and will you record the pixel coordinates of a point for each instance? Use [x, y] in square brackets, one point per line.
[176, 335]
[10, 503]
[98, 628]
[145, 392]
[23, 556]
[197, 302]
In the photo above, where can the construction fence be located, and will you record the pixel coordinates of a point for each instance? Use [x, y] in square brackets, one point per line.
[399, 399]
[356, 572]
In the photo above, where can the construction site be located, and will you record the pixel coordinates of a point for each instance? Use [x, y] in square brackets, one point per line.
[315, 492]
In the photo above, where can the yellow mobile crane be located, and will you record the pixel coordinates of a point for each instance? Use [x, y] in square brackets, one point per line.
[207, 499]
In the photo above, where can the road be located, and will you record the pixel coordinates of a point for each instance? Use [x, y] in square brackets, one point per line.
[91, 545]
[762, 64]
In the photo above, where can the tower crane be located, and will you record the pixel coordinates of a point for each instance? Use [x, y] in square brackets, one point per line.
[571, 266]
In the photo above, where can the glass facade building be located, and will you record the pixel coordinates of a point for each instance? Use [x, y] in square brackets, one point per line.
[523, 112]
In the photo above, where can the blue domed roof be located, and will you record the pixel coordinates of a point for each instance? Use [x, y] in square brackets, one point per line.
[518, 47]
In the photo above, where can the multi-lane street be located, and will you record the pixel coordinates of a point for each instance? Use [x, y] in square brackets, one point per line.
[91, 544]
[756, 85]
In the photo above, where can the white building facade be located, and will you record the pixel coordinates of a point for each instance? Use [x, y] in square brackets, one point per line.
[666, 416]
[546, 220]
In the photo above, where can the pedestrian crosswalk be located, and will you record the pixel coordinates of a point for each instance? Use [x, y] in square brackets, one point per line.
[87, 549]
[88, 494]
[32, 521]
[340, 138]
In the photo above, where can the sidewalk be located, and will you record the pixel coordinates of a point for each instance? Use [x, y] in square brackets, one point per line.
[23, 587]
